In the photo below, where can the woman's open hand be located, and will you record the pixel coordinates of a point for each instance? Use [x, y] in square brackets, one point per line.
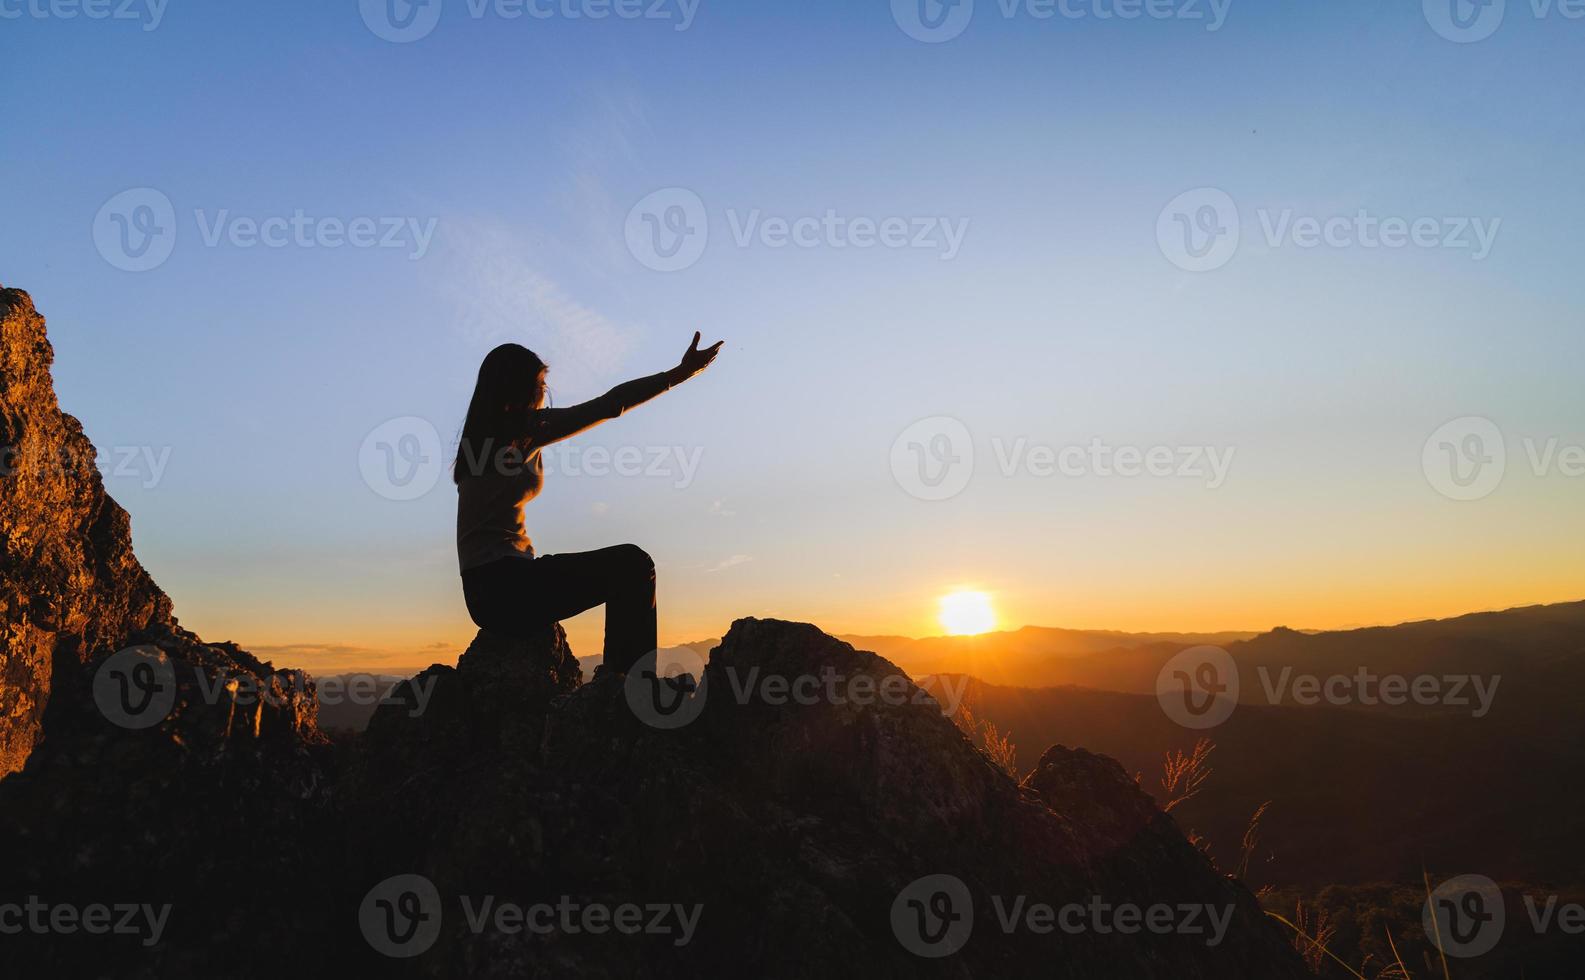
[695, 360]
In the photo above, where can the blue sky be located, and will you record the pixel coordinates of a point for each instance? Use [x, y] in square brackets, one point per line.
[1053, 145]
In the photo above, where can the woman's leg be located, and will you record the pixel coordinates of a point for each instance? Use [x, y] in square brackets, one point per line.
[559, 587]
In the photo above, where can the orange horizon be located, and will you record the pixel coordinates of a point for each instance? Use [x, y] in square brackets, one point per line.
[584, 634]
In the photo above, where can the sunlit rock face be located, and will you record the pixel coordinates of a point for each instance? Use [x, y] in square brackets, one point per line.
[138, 764]
[70, 587]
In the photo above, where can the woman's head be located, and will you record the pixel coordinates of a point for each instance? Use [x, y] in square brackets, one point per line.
[511, 387]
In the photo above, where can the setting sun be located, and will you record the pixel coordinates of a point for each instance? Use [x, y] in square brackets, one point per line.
[966, 613]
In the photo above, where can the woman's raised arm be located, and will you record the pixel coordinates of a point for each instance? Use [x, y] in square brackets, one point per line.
[556, 424]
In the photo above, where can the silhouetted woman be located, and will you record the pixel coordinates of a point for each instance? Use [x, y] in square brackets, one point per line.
[498, 471]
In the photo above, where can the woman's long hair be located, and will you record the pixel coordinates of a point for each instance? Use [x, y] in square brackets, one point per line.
[510, 389]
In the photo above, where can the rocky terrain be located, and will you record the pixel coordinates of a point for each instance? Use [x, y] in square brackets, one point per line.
[71, 584]
[504, 818]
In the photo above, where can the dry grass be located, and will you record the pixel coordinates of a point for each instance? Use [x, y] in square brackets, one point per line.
[1251, 840]
[1183, 775]
[985, 736]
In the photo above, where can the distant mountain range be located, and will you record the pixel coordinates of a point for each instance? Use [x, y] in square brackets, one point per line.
[1359, 792]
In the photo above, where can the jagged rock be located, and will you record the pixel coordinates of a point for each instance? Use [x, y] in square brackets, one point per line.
[1096, 794]
[209, 797]
[794, 825]
[70, 587]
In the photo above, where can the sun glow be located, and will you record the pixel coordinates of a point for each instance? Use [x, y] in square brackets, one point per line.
[966, 613]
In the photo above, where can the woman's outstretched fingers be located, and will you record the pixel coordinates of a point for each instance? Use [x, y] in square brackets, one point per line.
[696, 360]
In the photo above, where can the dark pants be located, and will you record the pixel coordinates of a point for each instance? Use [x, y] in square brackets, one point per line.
[517, 596]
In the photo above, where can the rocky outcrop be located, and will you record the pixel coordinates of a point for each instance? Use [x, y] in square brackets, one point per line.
[146, 766]
[70, 586]
[794, 807]
[794, 825]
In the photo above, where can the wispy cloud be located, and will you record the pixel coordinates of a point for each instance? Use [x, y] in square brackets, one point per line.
[731, 562]
[501, 294]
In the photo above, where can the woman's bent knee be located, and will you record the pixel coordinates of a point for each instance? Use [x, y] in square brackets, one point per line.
[636, 559]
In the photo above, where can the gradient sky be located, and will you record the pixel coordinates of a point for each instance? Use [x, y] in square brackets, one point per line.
[1060, 319]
